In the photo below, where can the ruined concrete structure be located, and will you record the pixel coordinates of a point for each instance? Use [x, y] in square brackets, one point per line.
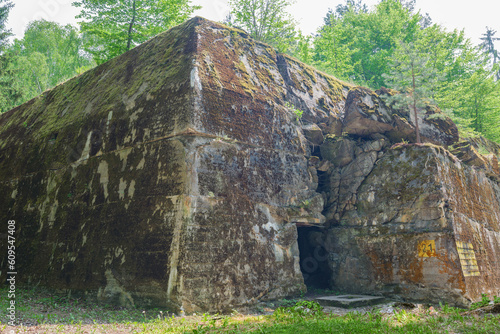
[179, 175]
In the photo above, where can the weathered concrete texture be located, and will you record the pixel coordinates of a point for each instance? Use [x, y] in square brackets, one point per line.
[366, 114]
[176, 175]
[169, 176]
[423, 226]
[468, 151]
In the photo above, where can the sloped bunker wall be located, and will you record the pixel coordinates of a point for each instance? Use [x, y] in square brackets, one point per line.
[144, 182]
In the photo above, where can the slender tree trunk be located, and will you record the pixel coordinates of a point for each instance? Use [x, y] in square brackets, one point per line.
[417, 130]
[476, 114]
[254, 19]
[129, 36]
[40, 91]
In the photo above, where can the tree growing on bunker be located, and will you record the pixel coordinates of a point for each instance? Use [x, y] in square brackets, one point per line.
[265, 20]
[413, 79]
[114, 27]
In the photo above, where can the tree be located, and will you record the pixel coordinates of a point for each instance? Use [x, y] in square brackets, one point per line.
[265, 20]
[471, 92]
[369, 37]
[7, 89]
[413, 78]
[488, 45]
[350, 6]
[5, 7]
[62, 47]
[334, 54]
[302, 49]
[113, 27]
[48, 54]
[10, 93]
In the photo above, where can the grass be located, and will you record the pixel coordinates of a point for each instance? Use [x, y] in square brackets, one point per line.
[38, 311]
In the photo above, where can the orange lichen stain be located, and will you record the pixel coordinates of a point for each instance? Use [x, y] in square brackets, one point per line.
[480, 203]
[380, 254]
[382, 267]
[412, 271]
[427, 248]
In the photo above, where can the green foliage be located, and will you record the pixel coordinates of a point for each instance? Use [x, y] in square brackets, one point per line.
[10, 93]
[485, 301]
[114, 27]
[301, 308]
[413, 78]
[333, 53]
[471, 92]
[265, 20]
[446, 309]
[61, 46]
[5, 7]
[360, 45]
[48, 54]
[356, 44]
[301, 48]
[298, 113]
[7, 90]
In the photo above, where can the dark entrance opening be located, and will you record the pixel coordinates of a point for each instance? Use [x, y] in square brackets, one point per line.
[313, 258]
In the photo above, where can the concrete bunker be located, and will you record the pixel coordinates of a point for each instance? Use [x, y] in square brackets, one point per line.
[178, 175]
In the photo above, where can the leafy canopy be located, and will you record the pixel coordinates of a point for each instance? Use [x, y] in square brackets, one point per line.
[356, 44]
[5, 7]
[48, 54]
[360, 45]
[115, 26]
[265, 20]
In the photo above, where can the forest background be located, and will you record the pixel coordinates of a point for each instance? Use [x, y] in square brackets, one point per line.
[355, 42]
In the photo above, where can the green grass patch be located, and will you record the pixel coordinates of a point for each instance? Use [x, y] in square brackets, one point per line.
[40, 311]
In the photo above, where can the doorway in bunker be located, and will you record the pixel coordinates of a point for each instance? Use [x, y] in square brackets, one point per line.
[313, 258]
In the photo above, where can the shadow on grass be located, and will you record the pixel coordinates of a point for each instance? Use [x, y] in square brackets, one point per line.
[35, 306]
[39, 311]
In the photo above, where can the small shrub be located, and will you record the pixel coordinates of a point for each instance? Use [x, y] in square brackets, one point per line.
[287, 303]
[303, 308]
[484, 302]
[446, 309]
[296, 111]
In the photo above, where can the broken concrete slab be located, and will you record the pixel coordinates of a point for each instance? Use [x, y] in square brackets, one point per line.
[350, 301]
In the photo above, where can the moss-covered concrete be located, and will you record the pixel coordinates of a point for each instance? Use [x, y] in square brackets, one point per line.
[167, 176]
[175, 175]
